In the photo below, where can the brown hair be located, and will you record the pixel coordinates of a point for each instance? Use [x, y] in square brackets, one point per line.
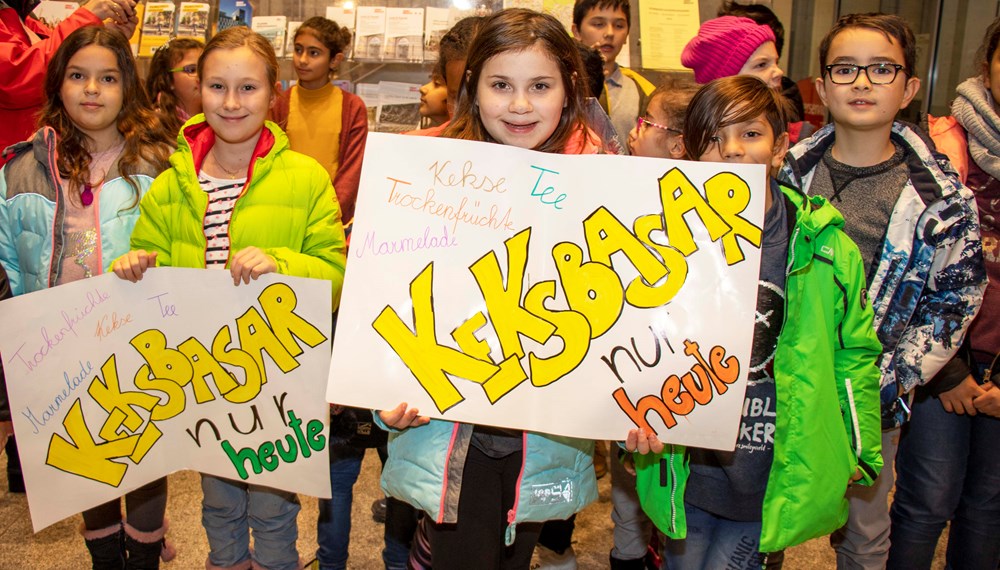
[517, 29]
[237, 37]
[582, 7]
[160, 83]
[673, 97]
[455, 42]
[145, 139]
[984, 55]
[328, 32]
[891, 26]
[727, 101]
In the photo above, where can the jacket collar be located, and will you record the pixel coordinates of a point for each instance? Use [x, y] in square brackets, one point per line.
[197, 138]
[930, 180]
[812, 216]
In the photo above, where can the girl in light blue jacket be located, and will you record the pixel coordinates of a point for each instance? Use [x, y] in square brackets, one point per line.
[488, 490]
[68, 201]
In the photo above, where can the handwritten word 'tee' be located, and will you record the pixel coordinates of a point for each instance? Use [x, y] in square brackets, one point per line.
[170, 371]
[594, 292]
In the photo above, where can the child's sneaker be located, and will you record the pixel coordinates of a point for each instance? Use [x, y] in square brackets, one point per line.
[546, 559]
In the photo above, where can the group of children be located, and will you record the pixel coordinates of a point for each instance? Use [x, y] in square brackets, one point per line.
[871, 240]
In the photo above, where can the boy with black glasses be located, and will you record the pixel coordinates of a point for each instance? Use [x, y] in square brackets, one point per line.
[914, 223]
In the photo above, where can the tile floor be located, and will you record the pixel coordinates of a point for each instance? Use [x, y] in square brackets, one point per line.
[60, 547]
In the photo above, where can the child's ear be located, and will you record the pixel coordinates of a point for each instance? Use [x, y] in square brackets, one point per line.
[576, 31]
[779, 151]
[910, 91]
[821, 90]
[336, 61]
[676, 147]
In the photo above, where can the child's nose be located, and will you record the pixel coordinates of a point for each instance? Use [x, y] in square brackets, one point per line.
[520, 104]
[732, 149]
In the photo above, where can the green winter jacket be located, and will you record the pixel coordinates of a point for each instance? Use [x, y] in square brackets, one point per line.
[287, 209]
[827, 422]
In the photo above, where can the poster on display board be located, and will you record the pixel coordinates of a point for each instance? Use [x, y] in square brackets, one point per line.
[574, 295]
[115, 384]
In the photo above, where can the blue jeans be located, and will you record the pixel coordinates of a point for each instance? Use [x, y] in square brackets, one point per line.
[333, 529]
[231, 508]
[713, 542]
[948, 469]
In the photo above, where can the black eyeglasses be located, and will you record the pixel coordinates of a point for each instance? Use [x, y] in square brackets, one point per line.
[877, 73]
[640, 121]
[189, 69]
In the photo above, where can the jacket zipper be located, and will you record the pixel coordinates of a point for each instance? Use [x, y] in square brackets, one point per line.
[673, 491]
[511, 532]
[447, 464]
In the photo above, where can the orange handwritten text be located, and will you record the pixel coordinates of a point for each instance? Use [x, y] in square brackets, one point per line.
[679, 396]
[109, 324]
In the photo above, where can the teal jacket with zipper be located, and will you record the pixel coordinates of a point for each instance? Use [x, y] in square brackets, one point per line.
[426, 464]
[827, 422]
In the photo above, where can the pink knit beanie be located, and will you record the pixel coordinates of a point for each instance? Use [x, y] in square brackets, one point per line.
[723, 45]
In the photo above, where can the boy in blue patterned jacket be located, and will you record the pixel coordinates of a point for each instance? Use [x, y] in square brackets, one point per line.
[914, 223]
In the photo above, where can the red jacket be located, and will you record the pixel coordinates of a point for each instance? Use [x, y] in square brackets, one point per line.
[353, 134]
[23, 67]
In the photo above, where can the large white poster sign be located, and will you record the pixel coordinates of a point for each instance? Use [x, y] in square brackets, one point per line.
[114, 384]
[574, 295]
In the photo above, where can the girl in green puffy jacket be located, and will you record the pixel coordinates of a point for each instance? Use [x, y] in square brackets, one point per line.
[215, 208]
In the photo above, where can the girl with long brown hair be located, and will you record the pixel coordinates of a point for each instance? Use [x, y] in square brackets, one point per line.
[522, 87]
[68, 200]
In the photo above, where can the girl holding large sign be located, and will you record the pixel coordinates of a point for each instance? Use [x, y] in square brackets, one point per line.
[215, 208]
[522, 87]
[80, 178]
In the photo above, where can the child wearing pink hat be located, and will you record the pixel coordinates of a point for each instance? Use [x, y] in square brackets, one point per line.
[732, 45]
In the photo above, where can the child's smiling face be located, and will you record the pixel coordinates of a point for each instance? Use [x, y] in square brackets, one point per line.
[521, 96]
[235, 94]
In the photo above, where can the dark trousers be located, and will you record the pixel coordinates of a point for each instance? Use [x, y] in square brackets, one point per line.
[489, 487]
[145, 507]
[557, 535]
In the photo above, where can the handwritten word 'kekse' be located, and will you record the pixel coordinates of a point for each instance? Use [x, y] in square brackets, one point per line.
[126, 434]
[593, 290]
[444, 177]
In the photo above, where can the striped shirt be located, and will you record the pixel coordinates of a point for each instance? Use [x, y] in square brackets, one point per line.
[222, 196]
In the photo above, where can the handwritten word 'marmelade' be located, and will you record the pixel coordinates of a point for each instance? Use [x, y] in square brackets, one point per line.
[594, 291]
[169, 371]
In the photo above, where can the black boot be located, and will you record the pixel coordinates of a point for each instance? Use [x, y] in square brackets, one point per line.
[145, 549]
[619, 564]
[107, 547]
[142, 555]
[15, 479]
